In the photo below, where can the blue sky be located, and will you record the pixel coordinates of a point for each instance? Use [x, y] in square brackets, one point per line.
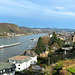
[39, 13]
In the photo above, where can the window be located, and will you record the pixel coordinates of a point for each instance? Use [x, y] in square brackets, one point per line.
[0, 71]
[9, 60]
[18, 65]
[3, 70]
[19, 68]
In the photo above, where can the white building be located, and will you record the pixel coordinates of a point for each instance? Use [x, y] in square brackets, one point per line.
[21, 62]
[51, 35]
[7, 69]
[34, 60]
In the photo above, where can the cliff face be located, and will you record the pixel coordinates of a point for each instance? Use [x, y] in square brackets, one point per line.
[10, 28]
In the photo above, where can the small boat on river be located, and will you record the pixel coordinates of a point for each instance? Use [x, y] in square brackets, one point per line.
[33, 39]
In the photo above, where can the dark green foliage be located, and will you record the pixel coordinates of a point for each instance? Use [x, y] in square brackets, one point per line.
[50, 52]
[42, 61]
[60, 42]
[57, 68]
[41, 47]
[54, 39]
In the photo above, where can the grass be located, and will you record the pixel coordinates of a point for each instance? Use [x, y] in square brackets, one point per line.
[72, 69]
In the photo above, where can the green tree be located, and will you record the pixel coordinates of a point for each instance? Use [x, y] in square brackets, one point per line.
[53, 39]
[49, 55]
[41, 47]
[59, 42]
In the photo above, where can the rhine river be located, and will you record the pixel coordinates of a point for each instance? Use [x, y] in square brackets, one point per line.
[25, 44]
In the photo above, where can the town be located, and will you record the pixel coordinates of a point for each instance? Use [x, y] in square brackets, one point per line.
[46, 58]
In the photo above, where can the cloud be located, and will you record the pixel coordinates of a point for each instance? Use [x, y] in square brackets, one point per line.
[70, 13]
[60, 8]
[17, 8]
[28, 8]
[23, 4]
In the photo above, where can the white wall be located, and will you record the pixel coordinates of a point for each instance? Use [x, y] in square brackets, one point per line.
[22, 66]
[33, 60]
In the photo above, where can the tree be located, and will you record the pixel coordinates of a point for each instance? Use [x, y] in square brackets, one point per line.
[49, 55]
[53, 39]
[59, 42]
[41, 47]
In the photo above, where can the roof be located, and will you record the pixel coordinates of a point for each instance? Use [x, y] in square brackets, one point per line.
[4, 65]
[20, 59]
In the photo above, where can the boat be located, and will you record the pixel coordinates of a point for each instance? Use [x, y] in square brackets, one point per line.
[2, 46]
[9, 45]
[30, 45]
[14, 44]
[33, 39]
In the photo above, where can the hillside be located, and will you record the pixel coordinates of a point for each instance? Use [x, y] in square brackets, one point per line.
[13, 28]
[35, 30]
[10, 28]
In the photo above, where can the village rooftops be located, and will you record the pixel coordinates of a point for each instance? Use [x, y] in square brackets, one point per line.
[20, 59]
[4, 65]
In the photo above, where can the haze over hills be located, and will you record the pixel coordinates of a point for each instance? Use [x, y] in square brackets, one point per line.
[13, 28]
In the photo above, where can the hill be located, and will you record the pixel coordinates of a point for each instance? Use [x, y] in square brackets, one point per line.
[13, 28]
[10, 28]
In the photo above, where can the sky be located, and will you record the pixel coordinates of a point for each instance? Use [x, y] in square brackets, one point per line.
[38, 13]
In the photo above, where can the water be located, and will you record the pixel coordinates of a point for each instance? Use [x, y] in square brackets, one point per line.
[25, 41]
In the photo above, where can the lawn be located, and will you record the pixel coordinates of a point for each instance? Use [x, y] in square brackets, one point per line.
[72, 69]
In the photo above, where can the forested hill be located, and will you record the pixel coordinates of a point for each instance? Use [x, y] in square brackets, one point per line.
[10, 28]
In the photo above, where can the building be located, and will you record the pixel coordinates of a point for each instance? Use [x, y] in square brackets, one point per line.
[21, 62]
[74, 38]
[7, 69]
[50, 35]
[33, 56]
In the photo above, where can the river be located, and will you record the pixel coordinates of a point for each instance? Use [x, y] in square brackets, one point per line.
[25, 41]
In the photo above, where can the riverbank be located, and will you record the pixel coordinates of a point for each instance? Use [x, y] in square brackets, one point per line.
[23, 35]
[18, 35]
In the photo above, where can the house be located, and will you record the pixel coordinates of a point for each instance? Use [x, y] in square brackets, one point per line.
[50, 35]
[7, 69]
[74, 38]
[21, 62]
[33, 56]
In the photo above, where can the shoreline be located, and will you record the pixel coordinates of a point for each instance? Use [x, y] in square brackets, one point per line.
[15, 36]
[23, 35]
